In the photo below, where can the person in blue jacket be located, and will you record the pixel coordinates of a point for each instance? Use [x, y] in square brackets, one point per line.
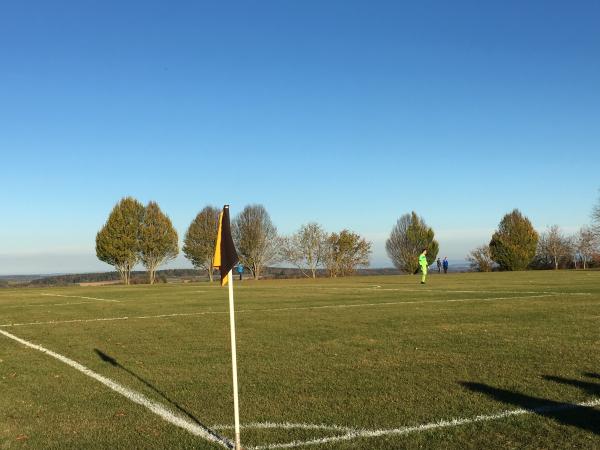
[445, 264]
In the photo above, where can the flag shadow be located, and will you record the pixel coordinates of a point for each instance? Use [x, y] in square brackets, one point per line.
[583, 417]
[113, 362]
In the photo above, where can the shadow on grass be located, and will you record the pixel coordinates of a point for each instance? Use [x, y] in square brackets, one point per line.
[590, 388]
[583, 417]
[113, 362]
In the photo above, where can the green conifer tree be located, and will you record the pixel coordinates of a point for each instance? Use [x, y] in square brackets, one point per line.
[407, 240]
[514, 244]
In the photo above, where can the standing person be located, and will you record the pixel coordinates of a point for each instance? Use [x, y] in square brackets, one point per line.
[445, 264]
[240, 270]
[423, 264]
[439, 265]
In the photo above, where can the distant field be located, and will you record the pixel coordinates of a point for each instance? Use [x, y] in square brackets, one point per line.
[501, 360]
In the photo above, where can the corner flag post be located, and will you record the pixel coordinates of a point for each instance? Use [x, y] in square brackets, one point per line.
[236, 405]
[225, 259]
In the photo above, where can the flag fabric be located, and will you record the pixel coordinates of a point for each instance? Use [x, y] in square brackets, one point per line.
[225, 255]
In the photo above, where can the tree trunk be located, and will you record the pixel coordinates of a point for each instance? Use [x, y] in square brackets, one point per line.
[256, 271]
[122, 274]
[210, 274]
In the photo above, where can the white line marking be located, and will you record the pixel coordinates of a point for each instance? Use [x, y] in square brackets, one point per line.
[79, 296]
[108, 319]
[136, 397]
[291, 308]
[286, 426]
[414, 302]
[363, 433]
[43, 305]
[445, 291]
[350, 433]
[378, 287]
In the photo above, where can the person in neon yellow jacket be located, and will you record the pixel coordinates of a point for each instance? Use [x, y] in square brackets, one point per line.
[423, 264]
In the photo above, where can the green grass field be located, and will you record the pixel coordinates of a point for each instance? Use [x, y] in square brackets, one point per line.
[379, 362]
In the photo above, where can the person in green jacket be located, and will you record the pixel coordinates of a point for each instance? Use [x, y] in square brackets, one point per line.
[423, 264]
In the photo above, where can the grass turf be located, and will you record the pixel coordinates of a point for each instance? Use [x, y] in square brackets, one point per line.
[365, 352]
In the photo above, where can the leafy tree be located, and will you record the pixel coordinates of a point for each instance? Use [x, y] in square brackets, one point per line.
[158, 240]
[117, 242]
[554, 246]
[345, 252]
[200, 238]
[306, 248]
[481, 259]
[255, 238]
[513, 245]
[407, 240]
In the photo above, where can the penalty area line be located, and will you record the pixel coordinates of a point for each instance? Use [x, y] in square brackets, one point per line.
[136, 397]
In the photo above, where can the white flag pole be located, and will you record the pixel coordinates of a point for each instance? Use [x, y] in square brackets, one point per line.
[236, 405]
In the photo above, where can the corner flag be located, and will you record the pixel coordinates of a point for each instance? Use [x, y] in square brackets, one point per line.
[225, 259]
[225, 255]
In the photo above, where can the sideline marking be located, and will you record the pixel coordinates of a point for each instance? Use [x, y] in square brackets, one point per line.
[364, 433]
[290, 308]
[136, 397]
[79, 296]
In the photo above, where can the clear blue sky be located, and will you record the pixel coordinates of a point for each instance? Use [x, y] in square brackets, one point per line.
[343, 112]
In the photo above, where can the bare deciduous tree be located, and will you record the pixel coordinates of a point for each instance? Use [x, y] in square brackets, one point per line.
[256, 238]
[554, 246]
[586, 244]
[596, 219]
[305, 248]
[200, 238]
[481, 259]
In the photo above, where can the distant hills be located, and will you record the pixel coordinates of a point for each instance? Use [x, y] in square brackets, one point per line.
[167, 276]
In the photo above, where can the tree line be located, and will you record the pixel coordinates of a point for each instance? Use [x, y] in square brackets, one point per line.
[516, 245]
[134, 234]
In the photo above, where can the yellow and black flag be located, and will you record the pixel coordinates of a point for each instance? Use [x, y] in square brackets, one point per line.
[225, 255]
